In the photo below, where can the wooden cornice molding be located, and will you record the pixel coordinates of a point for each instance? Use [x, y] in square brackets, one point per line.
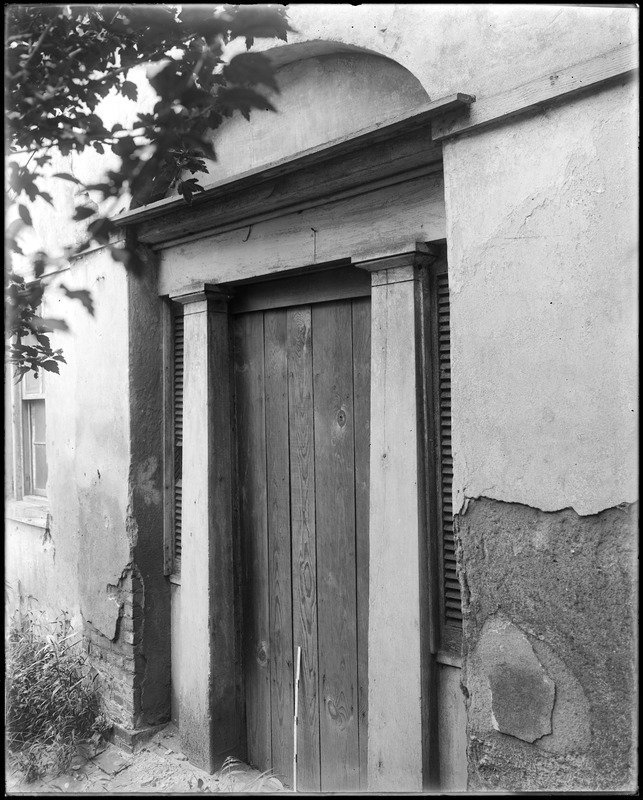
[396, 150]
[615, 65]
[423, 254]
[213, 296]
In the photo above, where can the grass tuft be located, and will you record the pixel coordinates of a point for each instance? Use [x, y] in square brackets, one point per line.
[51, 702]
[234, 776]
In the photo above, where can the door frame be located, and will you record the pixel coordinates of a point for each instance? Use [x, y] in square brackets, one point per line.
[398, 568]
[391, 212]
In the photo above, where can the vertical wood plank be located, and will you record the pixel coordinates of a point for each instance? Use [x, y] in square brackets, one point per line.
[304, 566]
[249, 380]
[278, 474]
[224, 709]
[427, 539]
[452, 730]
[335, 522]
[394, 630]
[362, 405]
[193, 633]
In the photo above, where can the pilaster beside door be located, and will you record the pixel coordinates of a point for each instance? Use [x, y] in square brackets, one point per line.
[401, 740]
[209, 679]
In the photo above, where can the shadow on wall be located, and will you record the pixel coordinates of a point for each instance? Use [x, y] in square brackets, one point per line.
[324, 95]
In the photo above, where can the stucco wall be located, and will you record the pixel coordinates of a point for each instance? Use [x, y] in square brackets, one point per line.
[33, 582]
[541, 234]
[100, 560]
[320, 100]
[480, 49]
[88, 438]
[550, 675]
[541, 238]
[87, 447]
[99, 507]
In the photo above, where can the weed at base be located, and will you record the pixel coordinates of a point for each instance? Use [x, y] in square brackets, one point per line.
[235, 777]
[51, 702]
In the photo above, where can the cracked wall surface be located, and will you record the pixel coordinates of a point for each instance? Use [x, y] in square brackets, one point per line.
[85, 549]
[146, 480]
[542, 244]
[541, 234]
[88, 418]
[101, 558]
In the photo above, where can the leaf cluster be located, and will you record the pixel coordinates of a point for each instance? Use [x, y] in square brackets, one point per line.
[30, 347]
[52, 705]
[62, 61]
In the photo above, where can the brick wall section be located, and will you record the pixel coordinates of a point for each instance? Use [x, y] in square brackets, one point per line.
[118, 662]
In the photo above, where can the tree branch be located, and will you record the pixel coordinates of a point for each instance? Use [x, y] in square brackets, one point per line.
[39, 43]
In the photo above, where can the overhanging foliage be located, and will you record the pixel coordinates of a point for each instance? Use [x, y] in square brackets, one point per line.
[61, 62]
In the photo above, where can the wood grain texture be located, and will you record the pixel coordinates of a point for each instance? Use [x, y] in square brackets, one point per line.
[193, 632]
[335, 515]
[356, 228]
[224, 710]
[251, 443]
[295, 367]
[304, 550]
[361, 313]
[279, 542]
[395, 678]
[452, 730]
[427, 535]
[613, 65]
[243, 201]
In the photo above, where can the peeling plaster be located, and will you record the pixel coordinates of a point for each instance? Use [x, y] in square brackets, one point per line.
[145, 480]
[131, 527]
[516, 696]
[522, 697]
[47, 540]
[106, 620]
[487, 494]
[566, 585]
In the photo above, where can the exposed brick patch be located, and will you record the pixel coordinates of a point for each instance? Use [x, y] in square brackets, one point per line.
[117, 662]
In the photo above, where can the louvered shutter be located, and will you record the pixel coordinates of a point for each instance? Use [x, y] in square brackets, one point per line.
[450, 596]
[451, 585]
[178, 351]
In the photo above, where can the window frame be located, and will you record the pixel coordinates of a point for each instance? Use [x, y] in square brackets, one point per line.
[22, 503]
[30, 509]
[28, 401]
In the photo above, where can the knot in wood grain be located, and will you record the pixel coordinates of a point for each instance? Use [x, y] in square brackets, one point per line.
[338, 711]
[262, 654]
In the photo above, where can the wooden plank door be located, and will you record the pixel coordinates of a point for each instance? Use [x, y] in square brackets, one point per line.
[302, 382]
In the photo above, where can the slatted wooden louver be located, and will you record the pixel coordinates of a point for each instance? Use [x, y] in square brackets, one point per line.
[178, 351]
[452, 602]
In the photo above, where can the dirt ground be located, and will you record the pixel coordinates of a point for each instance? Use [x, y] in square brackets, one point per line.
[157, 767]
